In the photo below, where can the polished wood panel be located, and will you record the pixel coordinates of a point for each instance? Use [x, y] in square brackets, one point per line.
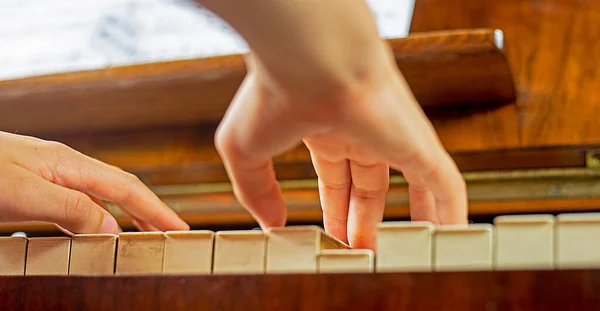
[467, 67]
[183, 155]
[553, 51]
[490, 290]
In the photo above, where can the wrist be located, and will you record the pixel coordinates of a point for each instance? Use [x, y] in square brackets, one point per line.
[331, 82]
[308, 44]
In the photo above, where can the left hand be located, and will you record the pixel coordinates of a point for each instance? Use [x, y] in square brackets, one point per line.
[50, 182]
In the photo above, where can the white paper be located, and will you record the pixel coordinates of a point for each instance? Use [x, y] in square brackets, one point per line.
[49, 36]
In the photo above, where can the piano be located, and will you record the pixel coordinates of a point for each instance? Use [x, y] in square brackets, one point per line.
[510, 89]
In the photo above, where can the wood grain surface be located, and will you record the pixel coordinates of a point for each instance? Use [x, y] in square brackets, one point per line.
[466, 291]
[187, 155]
[467, 67]
[553, 51]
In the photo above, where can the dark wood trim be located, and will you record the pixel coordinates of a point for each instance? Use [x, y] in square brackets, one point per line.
[513, 159]
[482, 290]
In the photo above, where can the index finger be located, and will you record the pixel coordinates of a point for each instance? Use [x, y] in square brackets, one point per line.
[79, 172]
[247, 138]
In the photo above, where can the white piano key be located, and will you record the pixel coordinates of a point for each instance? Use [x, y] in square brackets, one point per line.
[189, 252]
[524, 242]
[93, 254]
[577, 243]
[240, 252]
[346, 261]
[13, 252]
[404, 246]
[294, 249]
[463, 247]
[48, 256]
[140, 253]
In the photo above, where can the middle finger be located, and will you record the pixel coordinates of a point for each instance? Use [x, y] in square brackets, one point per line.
[370, 184]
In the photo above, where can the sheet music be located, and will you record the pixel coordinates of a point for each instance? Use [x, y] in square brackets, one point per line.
[42, 37]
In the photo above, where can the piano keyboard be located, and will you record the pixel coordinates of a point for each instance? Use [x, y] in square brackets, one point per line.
[512, 242]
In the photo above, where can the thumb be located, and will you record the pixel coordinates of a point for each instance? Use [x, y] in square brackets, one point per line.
[69, 209]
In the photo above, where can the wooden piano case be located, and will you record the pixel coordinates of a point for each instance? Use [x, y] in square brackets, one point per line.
[510, 86]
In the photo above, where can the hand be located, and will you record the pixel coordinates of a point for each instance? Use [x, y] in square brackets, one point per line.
[50, 182]
[354, 133]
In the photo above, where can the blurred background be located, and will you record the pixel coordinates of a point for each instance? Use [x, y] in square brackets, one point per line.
[41, 37]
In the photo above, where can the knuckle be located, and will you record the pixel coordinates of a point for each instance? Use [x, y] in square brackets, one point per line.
[433, 170]
[231, 146]
[430, 162]
[76, 209]
[223, 141]
[333, 185]
[57, 148]
[131, 179]
[59, 155]
[369, 194]
[336, 219]
[366, 165]
[131, 182]
[418, 188]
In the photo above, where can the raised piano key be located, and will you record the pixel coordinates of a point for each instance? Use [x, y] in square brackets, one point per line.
[295, 249]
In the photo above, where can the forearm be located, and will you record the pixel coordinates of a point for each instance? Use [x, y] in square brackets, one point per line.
[312, 42]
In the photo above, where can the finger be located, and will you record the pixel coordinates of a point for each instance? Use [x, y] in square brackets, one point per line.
[370, 184]
[74, 170]
[142, 226]
[250, 134]
[422, 204]
[447, 187]
[99, 203]
[410, 145]
[71, 210]
[334, 192]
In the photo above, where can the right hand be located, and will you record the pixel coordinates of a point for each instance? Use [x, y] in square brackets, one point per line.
[354, 134]
[319, 74]
[50, 182]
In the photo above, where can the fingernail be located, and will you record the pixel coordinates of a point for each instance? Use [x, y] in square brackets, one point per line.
[109, 225]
